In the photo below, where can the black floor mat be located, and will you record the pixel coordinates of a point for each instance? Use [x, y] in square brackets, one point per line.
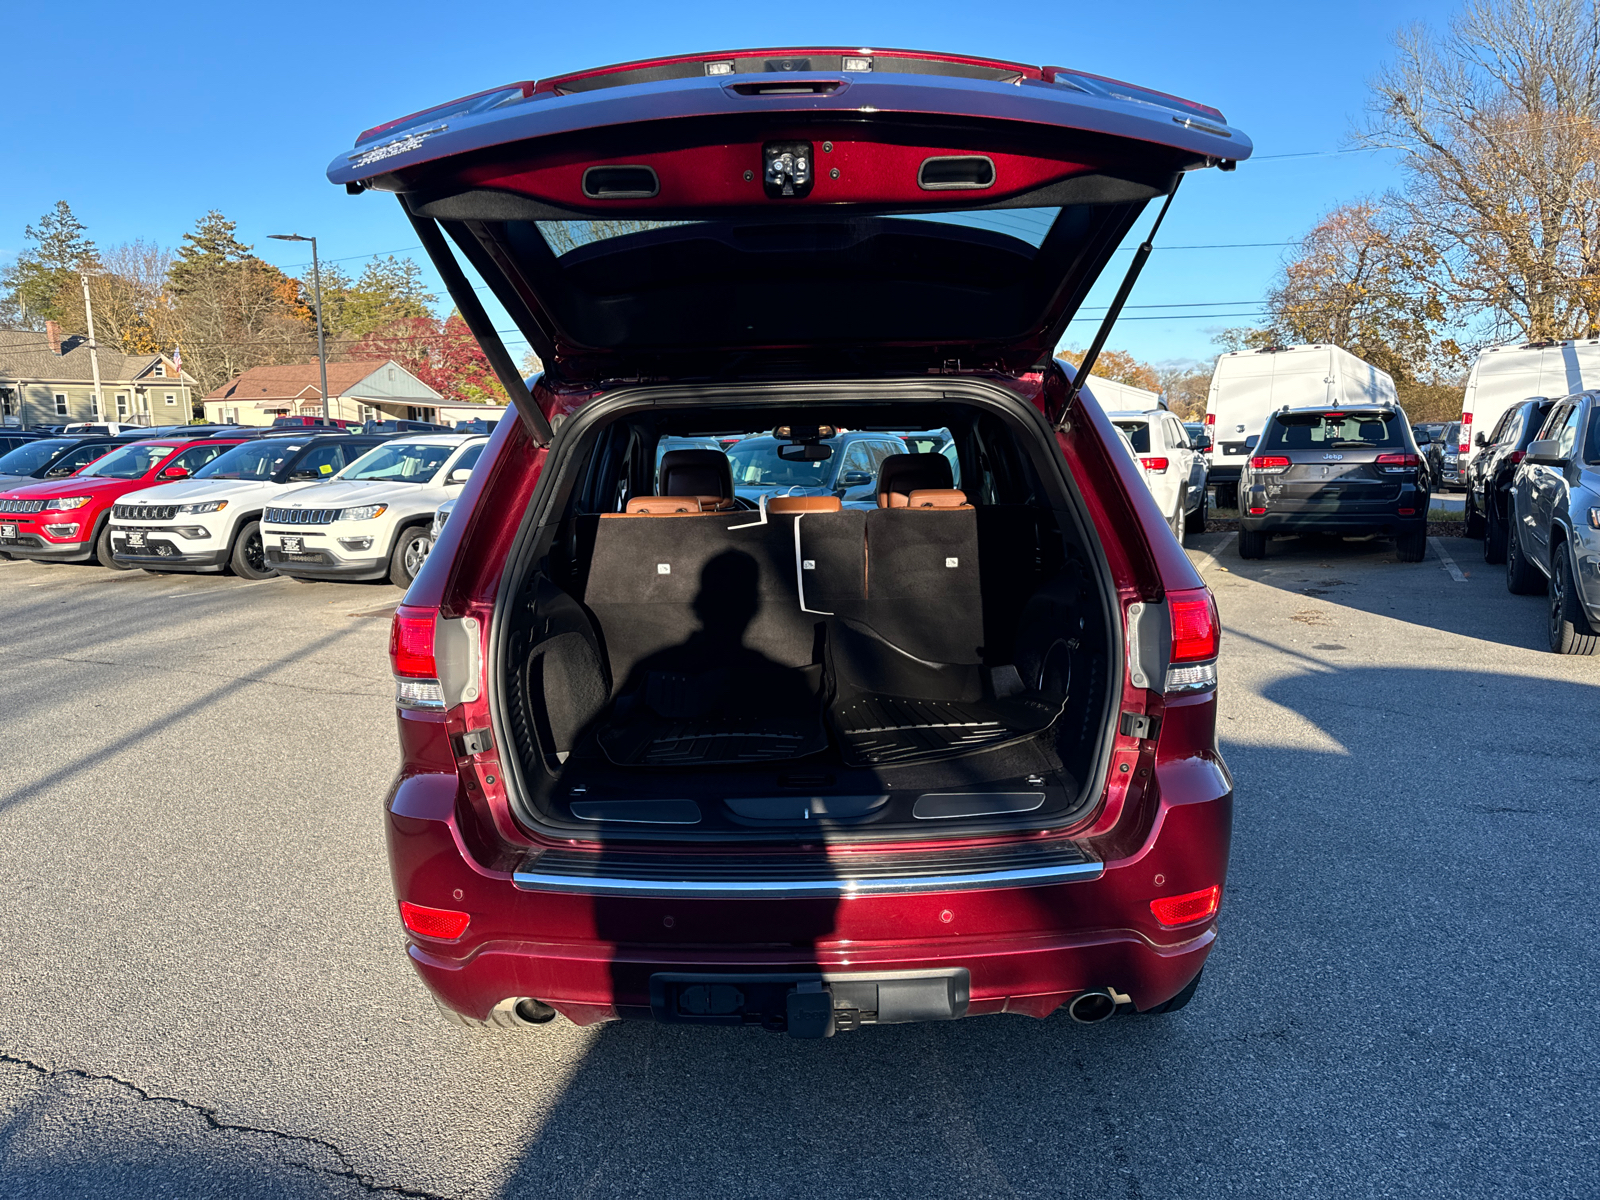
[706, 741]
[877, 730]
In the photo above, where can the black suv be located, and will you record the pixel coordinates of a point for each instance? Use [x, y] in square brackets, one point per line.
[1346, 471]
[1441, 457]
[1490, 471]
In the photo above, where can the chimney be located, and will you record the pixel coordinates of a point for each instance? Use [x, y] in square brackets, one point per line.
[52, 334]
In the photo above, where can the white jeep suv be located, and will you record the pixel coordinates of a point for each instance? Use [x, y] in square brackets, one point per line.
[212, 521]
[1173, 468]
[371, 520]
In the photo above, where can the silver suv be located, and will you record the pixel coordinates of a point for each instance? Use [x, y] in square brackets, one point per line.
[1554, 542]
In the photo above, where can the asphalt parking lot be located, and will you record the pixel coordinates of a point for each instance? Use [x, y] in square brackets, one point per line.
[202, 989]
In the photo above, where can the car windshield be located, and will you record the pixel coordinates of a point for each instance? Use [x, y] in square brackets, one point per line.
[253, 460]
[1138, 433]
[1334, 431]
[399, 462]
[130, 462]
[25, 460]
[756, 464]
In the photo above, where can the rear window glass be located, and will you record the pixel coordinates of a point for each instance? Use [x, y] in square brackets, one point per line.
[29, 457]
[1138, 433]
[1591, 447]
[1334, 431]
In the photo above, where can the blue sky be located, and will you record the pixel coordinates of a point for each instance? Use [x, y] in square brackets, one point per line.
[151, 115]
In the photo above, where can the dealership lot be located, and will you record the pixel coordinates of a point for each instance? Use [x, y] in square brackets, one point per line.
[203, 986]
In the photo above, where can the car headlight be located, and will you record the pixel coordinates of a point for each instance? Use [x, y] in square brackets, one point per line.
[365, 513]
[67, 502]
[203, 507]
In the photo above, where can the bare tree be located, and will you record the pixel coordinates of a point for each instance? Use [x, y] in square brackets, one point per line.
[1497, 118]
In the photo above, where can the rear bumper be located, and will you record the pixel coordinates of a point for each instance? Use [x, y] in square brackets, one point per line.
[595, 955]
[1382, 524]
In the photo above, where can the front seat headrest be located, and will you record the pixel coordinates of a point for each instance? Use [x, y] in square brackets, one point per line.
[695, 473]
[902, 474]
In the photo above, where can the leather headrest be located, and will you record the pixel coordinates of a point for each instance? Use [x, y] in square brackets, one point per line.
[803, 504]
[937, 498]
[695, 473]
[662, 505]
[907, 473]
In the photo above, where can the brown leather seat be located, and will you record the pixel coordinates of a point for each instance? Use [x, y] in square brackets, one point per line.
[901, 474]
[659, 506]
[945, 498]
[705, 474]
[779, 505]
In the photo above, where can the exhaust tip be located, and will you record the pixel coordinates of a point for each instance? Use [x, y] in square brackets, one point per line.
[1090, 1008]
[533, 1012]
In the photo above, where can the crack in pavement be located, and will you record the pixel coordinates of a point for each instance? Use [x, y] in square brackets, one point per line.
[347, 1170]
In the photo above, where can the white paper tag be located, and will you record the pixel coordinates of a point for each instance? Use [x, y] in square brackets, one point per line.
[663, 568]
[809, 564]
[952, 562]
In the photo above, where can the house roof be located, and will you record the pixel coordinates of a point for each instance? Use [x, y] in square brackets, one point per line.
[25, 355]
[301, 381]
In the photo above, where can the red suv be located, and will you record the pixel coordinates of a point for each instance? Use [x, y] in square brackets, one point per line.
[68, 520]
[670, 752]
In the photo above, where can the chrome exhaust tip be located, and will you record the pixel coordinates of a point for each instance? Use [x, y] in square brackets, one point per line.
[1090, 1008]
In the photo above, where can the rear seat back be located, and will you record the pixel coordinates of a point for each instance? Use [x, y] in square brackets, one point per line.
[703, 473]
[923, 590]
[901, 474]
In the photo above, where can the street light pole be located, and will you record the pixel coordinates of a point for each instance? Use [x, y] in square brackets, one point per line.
[316, 288]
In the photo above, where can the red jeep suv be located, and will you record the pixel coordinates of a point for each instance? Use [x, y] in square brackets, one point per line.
[671, 752]
[69, 520]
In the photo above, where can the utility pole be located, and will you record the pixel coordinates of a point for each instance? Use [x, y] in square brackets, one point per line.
[94, 349]
[316, 289]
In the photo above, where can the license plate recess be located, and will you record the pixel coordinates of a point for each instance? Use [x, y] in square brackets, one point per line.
[812, 1004]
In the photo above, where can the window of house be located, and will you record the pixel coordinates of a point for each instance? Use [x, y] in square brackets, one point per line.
[122, 405]
[172, 399]
[94, 407]
[61, 404]
[161, 371]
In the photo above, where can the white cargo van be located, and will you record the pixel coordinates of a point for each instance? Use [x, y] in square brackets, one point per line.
[1505, 375]
[1248, 384]
[1122, 397]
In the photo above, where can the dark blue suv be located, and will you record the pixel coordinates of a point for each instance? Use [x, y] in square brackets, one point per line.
[850, 473]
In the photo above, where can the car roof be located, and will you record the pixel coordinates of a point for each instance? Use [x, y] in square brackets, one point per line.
[437, 439]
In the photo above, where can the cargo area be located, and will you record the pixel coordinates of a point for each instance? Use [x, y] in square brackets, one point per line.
[684, 659]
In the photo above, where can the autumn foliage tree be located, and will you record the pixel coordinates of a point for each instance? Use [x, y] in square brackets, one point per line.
[1118, 366]
[443, 354]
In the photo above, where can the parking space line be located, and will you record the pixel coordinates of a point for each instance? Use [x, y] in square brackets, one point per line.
[1208, 560]
[1449, 563]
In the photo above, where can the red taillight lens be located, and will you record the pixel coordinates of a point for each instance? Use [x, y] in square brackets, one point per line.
[1188, 908]
[411, 643]
[1195, 628]
[1211, 418]
[1154, 464]
[1258, 512]
[1268, 462]
[1516, 456]
[444, 923]
[1402, 460]
[1466, 434]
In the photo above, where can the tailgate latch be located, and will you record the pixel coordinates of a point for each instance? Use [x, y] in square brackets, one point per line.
[476, 741]
[1139, 725]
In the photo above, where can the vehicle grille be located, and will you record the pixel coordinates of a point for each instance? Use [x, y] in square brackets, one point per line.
[301, 516]
[144, 512]
[21, 505]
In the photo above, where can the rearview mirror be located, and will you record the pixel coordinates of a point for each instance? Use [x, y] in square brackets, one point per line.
[805, 452]
[1202, 443]
[1250, 442]
[1479, 439]
[1544, 450]
[459, 475]
[1423, 437]
[855, 478]
[175, 473]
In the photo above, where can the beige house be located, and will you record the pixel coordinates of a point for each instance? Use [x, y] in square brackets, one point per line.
[48, 379]
[377, 389]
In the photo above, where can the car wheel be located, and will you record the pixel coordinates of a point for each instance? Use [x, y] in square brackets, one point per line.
[1570, 631]
[249, 559]
[410, 552]
[1413, 546]
[102, 551]
[1178, 1001]
[1252, 544]
[1180, 519]
[1494, 535]
[1198, 524]
[1522, 577]
[1473, 524]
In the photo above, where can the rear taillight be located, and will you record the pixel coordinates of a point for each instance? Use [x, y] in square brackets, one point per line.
[1211, 418]
[446, 924]
[1269, 464]
[1466, 434]
[1397, 464]
[416, 675]
[1516, 456]
[1158, 465]
[1196, 635]
[1187, 908]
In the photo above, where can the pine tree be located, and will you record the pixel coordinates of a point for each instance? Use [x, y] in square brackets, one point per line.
[38, 286]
